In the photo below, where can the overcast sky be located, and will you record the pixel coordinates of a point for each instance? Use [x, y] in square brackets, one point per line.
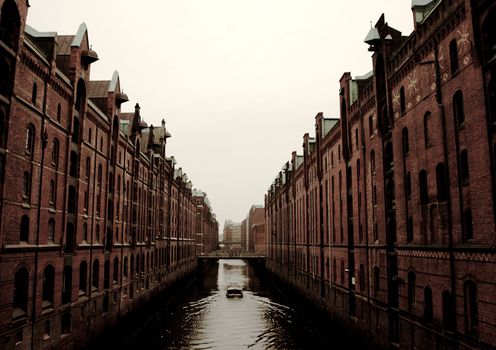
[238, 81]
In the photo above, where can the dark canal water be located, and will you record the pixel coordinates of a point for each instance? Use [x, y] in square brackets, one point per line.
[203, 318]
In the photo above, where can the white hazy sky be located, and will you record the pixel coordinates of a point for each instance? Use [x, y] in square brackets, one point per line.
[238, 81]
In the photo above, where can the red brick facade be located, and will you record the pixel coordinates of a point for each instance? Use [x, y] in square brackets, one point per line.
[94, 217]
[387, 219]
[207, 227]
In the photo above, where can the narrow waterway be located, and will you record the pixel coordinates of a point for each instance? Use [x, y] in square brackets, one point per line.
[202, 317]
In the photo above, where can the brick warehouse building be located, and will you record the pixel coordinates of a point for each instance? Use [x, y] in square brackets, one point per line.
[95, 220]
[387, 219]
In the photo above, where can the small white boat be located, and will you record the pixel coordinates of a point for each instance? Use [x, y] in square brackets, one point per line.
[234, 291]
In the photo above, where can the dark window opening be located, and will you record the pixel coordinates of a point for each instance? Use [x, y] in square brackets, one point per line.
[406, 146]
[66, 323]
[67, 284]
[448, 314]
[95, 277]
[424, 195]
[26, 191]
[72, 201]
[83, 278]
[427, 131]
[69, 238]
[458, 109]
[470, 308]
[409, 230]
[442, 183]
[21, 285]
[106, 274]
[24, 233]
[411, 289]
[453, 52]
[75, 130]
[10, 24]
[73, 164]
[428, 307]
[34, 94]
[115, 273]
[48, 286]
[402, 100]
[468, 222]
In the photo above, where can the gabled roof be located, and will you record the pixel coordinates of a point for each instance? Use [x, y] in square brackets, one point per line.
[98, 88]
[64, 44]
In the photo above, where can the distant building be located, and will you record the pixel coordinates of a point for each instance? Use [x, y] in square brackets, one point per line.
[244, 235]
[257, 240]
[232, 234]
[206, 225]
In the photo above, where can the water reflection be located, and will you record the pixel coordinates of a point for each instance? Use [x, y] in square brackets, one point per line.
[203, 318]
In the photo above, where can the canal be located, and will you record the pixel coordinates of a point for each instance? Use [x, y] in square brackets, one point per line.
[201, 317]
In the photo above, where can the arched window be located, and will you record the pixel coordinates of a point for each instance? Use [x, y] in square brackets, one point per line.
[55, 152]
[97, 233]
[409, 230]
[458, 109]
[358, 169]
[442, 183]
[402, 100]
[10, 24]
[80, 96]
[26, 190]
[406, 146]
[51, 230]
[83, 278]
[470, 308]
[411, 289]
[24, 233]
[34, 94]
[427, 117]
[424, 195]
[21, 285]
[67, 284]
[356, 138]
[115, 273]
[453, 52]
[342, 272]
[48, 286]
[106, 274]
[428, 307]
[125, 268]
[85, 232]
[95, 275]
[448, 308]
[29, 141]
[464, 171]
